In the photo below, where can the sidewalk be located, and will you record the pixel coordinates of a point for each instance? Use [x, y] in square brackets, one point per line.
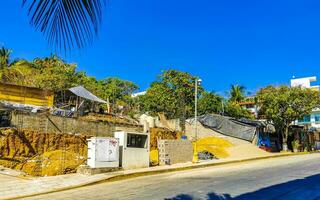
[14, 186]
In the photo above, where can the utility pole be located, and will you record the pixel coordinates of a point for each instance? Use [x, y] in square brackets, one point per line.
[197, 83]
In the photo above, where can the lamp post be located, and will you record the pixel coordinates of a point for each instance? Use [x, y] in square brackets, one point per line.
[197, 83]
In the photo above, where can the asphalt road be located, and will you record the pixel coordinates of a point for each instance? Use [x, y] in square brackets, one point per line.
[287, 178]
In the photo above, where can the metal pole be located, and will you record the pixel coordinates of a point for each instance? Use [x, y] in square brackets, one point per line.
[196, 109]
[195, 153]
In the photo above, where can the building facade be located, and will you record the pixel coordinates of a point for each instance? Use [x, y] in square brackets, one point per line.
[312, 120]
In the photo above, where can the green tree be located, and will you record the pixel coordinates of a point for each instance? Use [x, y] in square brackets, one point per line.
[119, 93]
[209, 102]
[66, 23]
[172, 94]
[233, 109]
[237, 93]
[20, 73]
[283, 105]
[4, 57]
[159, 99]
[54, 73]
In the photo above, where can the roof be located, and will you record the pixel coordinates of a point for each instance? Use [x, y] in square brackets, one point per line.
[26, 86]
[84, 93]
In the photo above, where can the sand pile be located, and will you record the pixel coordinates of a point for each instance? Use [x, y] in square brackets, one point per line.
[214, 145]
[41, 153]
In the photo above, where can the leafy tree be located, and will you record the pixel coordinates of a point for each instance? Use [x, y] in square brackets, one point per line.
[20, 73]
[233, 109]
[116, 88]
[4, 57]
[159, 99]
[54, 73]
[209, 102]
[66, 23]
[119, 93]
[172, 94]
[283, 105]
[237, 93]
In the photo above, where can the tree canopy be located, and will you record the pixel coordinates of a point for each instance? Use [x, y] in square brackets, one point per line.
[237, 93]
[66, 23]
[55, 74]
[173, 94]
[283, 105]
[233, 107]
[4, 57]
[209, 103]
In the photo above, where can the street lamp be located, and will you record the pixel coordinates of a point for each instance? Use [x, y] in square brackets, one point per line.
[197, 83]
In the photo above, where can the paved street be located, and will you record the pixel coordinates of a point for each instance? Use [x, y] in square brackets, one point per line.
[295, 177]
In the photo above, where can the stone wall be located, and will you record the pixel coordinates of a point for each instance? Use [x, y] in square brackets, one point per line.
[57, 124]
[175, 151]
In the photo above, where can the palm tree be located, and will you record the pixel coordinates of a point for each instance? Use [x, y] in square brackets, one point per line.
[4, 57]
[237, 93]
[66, 24]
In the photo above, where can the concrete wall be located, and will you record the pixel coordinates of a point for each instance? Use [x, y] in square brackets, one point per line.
[68, 125]
[175, 151]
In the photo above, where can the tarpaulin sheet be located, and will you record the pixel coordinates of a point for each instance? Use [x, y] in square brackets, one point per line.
[84, 93]
[228, 126]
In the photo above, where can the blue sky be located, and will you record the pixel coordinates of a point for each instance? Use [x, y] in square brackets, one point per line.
[248, 42]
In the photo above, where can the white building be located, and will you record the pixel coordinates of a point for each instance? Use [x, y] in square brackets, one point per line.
[312, 120]
[138, 94]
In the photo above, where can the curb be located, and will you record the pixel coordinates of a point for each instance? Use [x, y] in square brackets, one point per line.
[161, 171]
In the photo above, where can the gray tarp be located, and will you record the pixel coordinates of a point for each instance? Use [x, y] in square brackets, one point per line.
[228, 126]
[84, 93]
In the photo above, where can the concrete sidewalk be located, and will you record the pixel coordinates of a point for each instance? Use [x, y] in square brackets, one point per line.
[14, 186]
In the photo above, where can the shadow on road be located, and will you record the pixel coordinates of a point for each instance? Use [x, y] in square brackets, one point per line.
[307, 188]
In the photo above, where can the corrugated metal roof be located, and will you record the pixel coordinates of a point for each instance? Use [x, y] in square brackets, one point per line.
[84, 93]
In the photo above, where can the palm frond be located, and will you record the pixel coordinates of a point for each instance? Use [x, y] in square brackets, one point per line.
[66, 24]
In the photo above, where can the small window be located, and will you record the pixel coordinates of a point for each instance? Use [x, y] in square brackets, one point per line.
[317, 118]
[305, 120]
[136, 141]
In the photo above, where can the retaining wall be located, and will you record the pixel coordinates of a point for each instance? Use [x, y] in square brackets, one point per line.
[59, 124]
[175, 151]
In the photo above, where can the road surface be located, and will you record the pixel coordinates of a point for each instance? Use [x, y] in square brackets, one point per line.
[296, 177]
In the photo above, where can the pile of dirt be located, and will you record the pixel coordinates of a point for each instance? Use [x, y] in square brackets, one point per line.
[246, 151]
[41, 153]
[214, 145]
[155, 135]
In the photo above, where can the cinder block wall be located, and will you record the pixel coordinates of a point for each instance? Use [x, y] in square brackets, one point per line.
[175, 151]
[68, 125]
